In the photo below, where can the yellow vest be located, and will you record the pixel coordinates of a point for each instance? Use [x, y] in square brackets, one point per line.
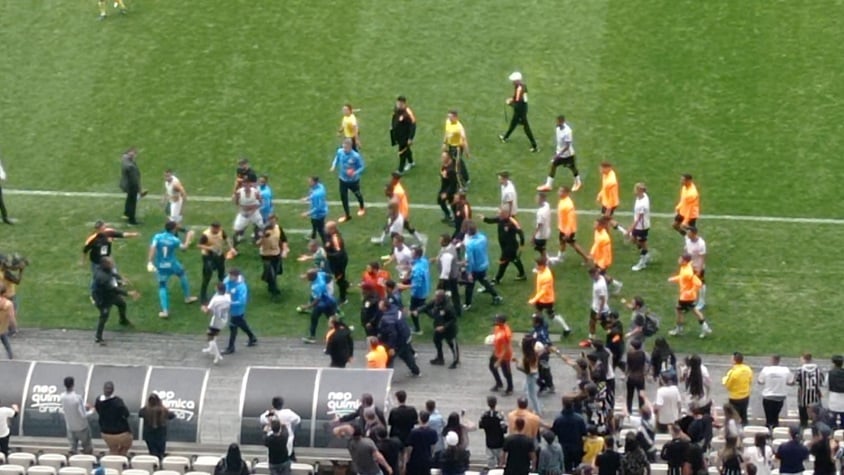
[270, 245]
[215, 241]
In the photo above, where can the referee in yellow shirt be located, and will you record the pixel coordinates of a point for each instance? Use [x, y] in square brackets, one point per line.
[455, 143]
[349, 127]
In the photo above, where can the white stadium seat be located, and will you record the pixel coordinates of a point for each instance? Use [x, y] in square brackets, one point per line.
[781, 433]
[41, 470]
[12, 469]
[166, 472]
[114, 462]
[135, 471]
[301, 469]
[750, 431]
[83, 461]
[150, 463]
[496, 471]
[838, 435]
[176, 463]
[436, 471]
[261, 468]
[56, 461]
[111, 471]
[73, 471]
[197, 473]
[24, 459]
[659, 469]
[469, 472]
[205, 463]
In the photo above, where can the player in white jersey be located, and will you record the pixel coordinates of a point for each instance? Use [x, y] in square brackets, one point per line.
[248, 200]
[218, 307]
[564, 156]
[696, 247]
[394, 225]
[600, 308]
[542, 232]
[402, 255]
[638, 231]
[174, 197]
[509, 197]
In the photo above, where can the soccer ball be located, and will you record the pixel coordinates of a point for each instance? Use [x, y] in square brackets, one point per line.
[299, 308]
[350, 172]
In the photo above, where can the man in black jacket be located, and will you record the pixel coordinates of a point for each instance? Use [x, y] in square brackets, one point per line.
[114, 421]
[402, 132]
[394, 332]
[445, 327]
[109, 290]
[340, 346]
[448, 186]
[130, 183]
[511, 238]
[276, 443]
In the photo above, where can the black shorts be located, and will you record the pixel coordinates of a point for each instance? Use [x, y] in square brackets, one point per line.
[544, 307]
[607, 211]
[685, 305]
[567, 162]
[213, 331]
[539, 244]
[641, 235]
[567, 238]
[595, 316]
[679, 218]
[700, 275]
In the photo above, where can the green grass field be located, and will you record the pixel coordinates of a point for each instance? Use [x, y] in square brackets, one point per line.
[743, 95]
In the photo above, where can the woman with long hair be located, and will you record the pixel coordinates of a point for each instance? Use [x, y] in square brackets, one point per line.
[732, 422]
[760, 454]
[662, 358]
[634, 461]
[455, 424]
[730, 457]
[232, 463]
[530, 366]
[156, 417]
[696, 377]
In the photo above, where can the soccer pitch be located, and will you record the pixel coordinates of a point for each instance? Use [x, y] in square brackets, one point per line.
[721, 90]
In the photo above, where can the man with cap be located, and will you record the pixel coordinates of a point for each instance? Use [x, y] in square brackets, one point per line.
[402, 132]
[98, 244]
[239, 292]
[519, 103]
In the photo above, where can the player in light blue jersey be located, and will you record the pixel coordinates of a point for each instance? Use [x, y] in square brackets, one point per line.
[162, 260]
[266, 197]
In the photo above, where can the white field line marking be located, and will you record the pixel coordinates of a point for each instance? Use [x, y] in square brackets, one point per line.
[424, 206]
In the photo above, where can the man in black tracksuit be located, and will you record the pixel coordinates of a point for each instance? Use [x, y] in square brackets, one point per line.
[130, 183]
[448, 186]
[370, 314]
[519, 102]
[338, 259]
[510, 238]
[445, 327]
[394, 333]
[108, 290]
[402, 131]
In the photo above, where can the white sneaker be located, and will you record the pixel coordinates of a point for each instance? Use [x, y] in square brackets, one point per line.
[376, 240]
[407, 167]
[217, 359]
[647, 258]
[616, 286]
[423, 240]
[206, 350]
[677, 331]
[700, 304]
[554, 260]
[705, 329]
[639, 266]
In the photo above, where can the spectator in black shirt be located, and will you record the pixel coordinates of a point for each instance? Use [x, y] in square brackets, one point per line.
[232, 463]
[340, 346]
[114, 421]
[420, 445]
[109, 290]
[448, 185]
[390, 447]
[276, 443]
[608, 461]
[820, 449]
[700, 430]
[366, 401]
[494, 426]
[130, 183]
[636, 371]
[511, 238]
[570, 428]
[674, 451]
[519, 451]
[402, 132]
[98, 244]
[454, 459]
[462, 213]
[402, 418]
[445, 326]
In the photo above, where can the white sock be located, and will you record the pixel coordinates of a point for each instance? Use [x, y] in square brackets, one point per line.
[617, 283]
[214, 349]
[549, 181]
[559, 254]
[562, 321]
[701, 299]
[621, 229]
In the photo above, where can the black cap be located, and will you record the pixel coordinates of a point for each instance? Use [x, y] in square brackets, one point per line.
[401, 99]
[99, 223]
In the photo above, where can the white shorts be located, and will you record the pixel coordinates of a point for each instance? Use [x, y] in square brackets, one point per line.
[175, 213]
[241, 221]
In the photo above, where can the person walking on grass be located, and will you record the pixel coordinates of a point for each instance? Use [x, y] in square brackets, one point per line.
[318, 207]
[477, 264]
[109, 290]
[638, 230]
[567, 227]
[130, 183]
[402, 133]
[519, 103]
[564, 156]
[349, 166]
[456, 144]
[162, 260]
[690, 285]
[213, 244]
[511, 239]
[238, 290]
[444, 315]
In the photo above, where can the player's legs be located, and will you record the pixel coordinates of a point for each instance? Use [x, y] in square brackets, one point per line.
[121, 310]
[344, 200]
[641, 238]
[207, 272]
[355, 188]
[701, 298]
[593, 322]
[102, 5]
[444, 200]
[163, 293]
[514, 121]
[239, 226]
[104, 309]
[571, 164]
[175, 213]
[529, 133]
[183, 282]
[678, 224]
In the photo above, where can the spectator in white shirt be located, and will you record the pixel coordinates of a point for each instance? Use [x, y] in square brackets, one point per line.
[76, 418]
[3, 212]
[668, 403]
[287, 417]
[774, 379]
[6, 413]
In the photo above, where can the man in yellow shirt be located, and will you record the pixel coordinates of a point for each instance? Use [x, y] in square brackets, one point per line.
[690, 285]
[567, 226]
[688, 208]
[601, 253]
[739, 382]
[608, 196]
[349, 127]
[377, 356]
[544, 296]
[455, 143]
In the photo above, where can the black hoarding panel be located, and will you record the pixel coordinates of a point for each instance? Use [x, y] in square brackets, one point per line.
[12, 383]
[260, 385]
[339, 394]
[43, 415]
[182, 390]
